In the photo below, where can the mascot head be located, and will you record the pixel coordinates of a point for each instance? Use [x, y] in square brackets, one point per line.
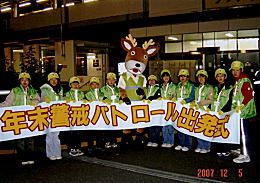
[137, 57]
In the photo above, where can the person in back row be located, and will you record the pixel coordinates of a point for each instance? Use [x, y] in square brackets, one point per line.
[185, 94]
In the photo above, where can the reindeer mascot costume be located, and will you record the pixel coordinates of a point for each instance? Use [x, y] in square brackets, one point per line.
[132, 83]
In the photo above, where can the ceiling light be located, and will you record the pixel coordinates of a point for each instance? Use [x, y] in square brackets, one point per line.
[173, 38]
[40, 1]
[88, 1]
[6, 9]
[229, 34]
[24, 4]
[68, 4]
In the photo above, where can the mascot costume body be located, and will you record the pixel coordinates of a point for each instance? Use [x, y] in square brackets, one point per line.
[132, 83]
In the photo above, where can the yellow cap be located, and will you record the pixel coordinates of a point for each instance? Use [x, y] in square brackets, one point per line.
[53, 75]
[236, 65]
[183, 72]
[165, 70]
[94, 80]
[74, 79]
[220, 71]
[151, 77]
[24, 75]
[111, 75]
[203, 72]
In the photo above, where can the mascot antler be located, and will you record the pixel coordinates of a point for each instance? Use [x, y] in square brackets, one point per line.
[132, 40]
[147, 44]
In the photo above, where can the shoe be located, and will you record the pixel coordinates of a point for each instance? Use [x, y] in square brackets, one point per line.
[242, 159]
[219, 154]
[197, 150]
[178, 148]
[25, 162]
[30, 162]
[185, 149]
[58, 157]
[114, 145]
[80, 153]
[52, 158]
[149, 144]
[154, 145]
[164, 145]
[73, 152]
[235, 152]
[108, 145]
[204, 151]
[226, 154]
[169, 145]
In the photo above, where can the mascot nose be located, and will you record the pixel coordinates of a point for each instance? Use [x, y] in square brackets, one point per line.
[137, 65]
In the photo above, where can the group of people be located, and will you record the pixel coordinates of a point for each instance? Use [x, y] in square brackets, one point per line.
[220, 98]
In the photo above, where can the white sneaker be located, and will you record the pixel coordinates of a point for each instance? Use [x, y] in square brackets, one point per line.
[242, 159]
[235, 152]
[164, 145]
[25, 162]
[169, 145]
[80, 153]
[154, 145]
[30, 162]
[204, 151]
[52, 158]
[178, 148]
[149, 144]
[185, 149]
[58, 157]
[197, 150]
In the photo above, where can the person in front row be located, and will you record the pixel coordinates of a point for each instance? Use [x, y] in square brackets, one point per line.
[152, 92]
[74, 136]
[203, 99]
[222, 101]
[111, 93]
[52, 91]
[22, 95]
[167, 92]
[185, 94]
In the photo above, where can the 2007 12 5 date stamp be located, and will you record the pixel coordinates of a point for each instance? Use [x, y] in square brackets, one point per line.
[217, 172]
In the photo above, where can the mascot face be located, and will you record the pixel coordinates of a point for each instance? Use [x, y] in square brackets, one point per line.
[137, 57]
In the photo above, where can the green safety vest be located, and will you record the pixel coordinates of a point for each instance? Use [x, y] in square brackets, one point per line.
[249, 110]
[151, 90]
[132, 86]
[204, 93]
[19, 96]
[91, 95]
[222, 98]
[186, 90]
[109, 92]
[52, 94]
[168, 92]
[71, 94]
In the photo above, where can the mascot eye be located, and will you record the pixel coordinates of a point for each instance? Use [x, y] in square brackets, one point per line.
[132, 52]
[145, 57]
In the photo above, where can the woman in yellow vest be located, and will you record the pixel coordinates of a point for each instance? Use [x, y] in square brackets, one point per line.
[167, 92]
[222, 101]
[24, 94]
[185, 94]
[203, 98]
[52, 91]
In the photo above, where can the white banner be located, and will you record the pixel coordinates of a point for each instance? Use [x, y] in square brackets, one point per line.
[26, 121]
